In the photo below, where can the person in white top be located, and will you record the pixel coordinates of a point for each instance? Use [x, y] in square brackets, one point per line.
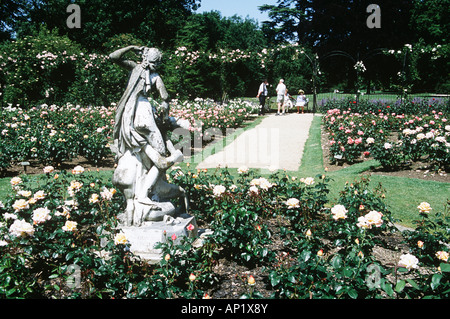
[262, 95]
[301, 101]
[281, 92]
[287, 102]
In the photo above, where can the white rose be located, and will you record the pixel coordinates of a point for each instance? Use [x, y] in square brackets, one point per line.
[293, 203]
[20, 228]
[41, 215]
[362, 222]
[218, 190]
[308, 180]
[339, 212]
[48, 169]
[77, 170]
[408, 261]
[264, 183]
[243, 170]
[253, 189]
[374, 218]
[420, 136]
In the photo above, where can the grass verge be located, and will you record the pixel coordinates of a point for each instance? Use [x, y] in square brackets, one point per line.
[403, 194]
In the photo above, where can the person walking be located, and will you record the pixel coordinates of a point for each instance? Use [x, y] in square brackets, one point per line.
[262, 95]
[281, 93]
[301, 101]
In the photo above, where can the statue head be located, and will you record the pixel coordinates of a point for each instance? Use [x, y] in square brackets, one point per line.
[151, 58]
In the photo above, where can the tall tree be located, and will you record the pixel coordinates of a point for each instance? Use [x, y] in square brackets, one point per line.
[153, 21]
[11, 13]
[210, 31]
[211, 34]
[430, 21]
[339, 24]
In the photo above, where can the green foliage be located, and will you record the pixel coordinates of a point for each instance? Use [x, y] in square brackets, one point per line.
[155, 21]
[36, 66]
[43, 246]
[53, 135]
[327, 252]
[48, 68]
[429, 236]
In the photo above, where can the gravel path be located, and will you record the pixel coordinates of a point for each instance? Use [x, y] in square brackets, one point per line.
[276, 143]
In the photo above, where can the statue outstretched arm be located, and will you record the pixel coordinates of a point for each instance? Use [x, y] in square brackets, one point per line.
[116, 56]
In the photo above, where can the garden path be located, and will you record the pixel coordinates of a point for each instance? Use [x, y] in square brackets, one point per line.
[276, 143]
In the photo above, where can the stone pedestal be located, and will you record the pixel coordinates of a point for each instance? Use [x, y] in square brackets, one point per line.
[143, 239]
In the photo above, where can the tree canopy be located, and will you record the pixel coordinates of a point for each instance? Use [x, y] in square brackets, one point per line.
[208, 55]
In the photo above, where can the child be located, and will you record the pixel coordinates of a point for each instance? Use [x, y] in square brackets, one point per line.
[301, 101]
[287, 101]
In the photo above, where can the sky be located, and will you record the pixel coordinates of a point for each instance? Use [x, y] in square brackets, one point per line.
[241, 8]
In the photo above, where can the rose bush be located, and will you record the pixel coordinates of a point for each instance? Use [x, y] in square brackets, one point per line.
[52, 134]
[392, 138]
[331, 247]
[61, 227]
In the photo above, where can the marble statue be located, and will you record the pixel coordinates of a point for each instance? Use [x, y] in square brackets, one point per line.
[142, 148]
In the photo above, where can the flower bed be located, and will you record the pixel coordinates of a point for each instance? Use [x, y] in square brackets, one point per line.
[58, 238]
[56, 134]
[392, 138]
[208, 119]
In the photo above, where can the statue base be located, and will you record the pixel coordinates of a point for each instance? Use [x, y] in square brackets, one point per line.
[143, 239]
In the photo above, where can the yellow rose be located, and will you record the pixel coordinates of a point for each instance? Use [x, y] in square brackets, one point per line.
[120, 239]
[39, 195]
[424, 207]
[94, 198]
[24, 193]
[70, 226]
[15, 181]
[309, 233]
[20, 204]
[442, 255]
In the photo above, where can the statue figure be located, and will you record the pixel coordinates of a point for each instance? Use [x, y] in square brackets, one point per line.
[143, 150]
